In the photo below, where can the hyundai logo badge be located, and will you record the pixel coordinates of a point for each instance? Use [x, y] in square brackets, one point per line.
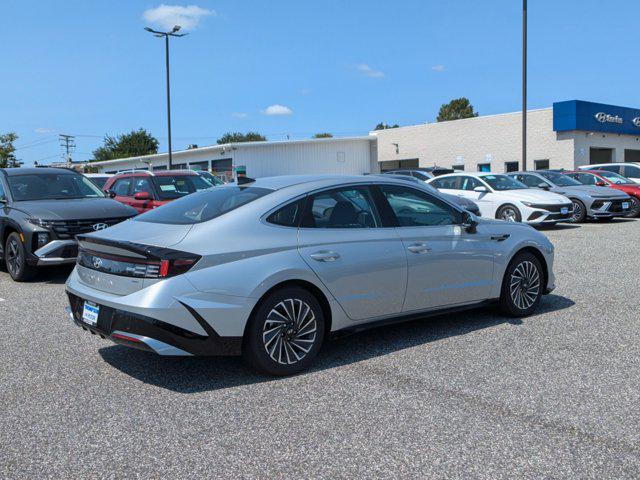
[97, 263]
[99, 226]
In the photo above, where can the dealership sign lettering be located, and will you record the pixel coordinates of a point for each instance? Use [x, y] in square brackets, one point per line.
[605, 117]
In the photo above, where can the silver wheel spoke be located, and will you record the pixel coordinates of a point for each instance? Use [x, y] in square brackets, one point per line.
[524, 286]
[289, 331]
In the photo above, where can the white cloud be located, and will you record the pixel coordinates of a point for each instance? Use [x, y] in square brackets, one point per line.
[44, 130]
[368, 71]
[277, 110]
[239, 115]
[166, 16]
[438, 68]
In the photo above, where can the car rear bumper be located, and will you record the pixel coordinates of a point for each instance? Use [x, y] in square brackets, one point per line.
[150, 334]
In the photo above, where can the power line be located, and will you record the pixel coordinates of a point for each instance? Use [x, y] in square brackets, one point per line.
[67, 141]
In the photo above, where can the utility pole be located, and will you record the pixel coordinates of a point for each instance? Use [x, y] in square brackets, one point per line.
[166, 35]
[524, 85]
[68, 142]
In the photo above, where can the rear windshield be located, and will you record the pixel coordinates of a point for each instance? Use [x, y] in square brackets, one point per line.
[172, 187]
[52, 186]
[203, 206]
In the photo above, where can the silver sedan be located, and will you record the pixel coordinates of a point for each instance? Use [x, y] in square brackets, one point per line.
[270, 268]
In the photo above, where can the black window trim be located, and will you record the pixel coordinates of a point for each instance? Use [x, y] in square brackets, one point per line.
[304, 198]
[394, 218]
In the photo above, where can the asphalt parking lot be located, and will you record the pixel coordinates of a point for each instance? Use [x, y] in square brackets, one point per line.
[471, 395]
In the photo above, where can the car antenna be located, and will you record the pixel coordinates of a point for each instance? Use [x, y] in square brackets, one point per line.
[243, 180]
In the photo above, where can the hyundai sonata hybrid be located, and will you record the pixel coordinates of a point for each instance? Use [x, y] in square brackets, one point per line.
[588, 201]
[272, 267]
[503, 197]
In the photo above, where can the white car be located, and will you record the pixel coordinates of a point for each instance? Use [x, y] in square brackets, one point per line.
[631, 170]
[500, 196]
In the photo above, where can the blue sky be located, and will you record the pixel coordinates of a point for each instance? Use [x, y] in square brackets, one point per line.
[89, 69]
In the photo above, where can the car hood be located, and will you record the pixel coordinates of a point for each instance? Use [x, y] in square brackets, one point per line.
[75, 209]
[145, 233]
[596, 192]
[534, 196]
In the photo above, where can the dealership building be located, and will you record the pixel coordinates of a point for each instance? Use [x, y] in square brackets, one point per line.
[567, 135]
[335, 156]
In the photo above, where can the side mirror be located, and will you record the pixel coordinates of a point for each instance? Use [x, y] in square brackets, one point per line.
[481, 189]
[142, 196]
[469, 221]
[110, 193]
[3, 200]
[543, 186]
[601, 184]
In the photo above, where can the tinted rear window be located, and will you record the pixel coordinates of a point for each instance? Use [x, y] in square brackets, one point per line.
[172, 187]
[203, 206]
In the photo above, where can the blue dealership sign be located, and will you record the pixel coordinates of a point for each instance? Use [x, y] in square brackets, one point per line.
[595, 117]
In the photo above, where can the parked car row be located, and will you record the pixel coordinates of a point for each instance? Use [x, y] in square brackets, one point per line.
[268, 268]
[541, 197]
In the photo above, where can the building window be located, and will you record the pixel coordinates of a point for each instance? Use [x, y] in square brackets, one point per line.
[484, 167]
[541, 164]
[458, 168]
[179, 166]
[511, 166]
[199, 165]
[159, 167]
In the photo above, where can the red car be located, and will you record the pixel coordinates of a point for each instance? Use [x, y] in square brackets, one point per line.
[144, 190]
[602, 178]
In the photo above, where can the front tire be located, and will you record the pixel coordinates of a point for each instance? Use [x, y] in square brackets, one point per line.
[15, 259]
[285, 333]
[509, 213]
[579, 211]
[522, 286]
[634, 211]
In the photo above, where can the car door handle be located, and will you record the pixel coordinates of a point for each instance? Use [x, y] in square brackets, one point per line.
[325, 256]
[418, 248]
[500, 238]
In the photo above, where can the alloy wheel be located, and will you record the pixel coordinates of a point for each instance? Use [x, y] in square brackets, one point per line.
[289, 331]
[525, 285]
[577, 211]
[634, 211]
[509, 214]
[14, 257]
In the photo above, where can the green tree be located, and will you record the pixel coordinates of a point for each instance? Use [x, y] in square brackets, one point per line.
[456, 109]
[384, 126]
[7, 149]
[237, 137]
[133, 144]
[323, 135]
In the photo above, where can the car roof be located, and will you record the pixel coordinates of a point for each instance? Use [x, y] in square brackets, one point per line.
[157, 173]
[37, 170]
[469, 174]
[311, 182]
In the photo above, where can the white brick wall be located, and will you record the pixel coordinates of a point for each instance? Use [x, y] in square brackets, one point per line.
[492, 139]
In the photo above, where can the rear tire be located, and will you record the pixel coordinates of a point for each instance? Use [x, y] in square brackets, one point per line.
[15, 259]
[285, 333]
[579, 211]
[509, 213]
[522, 286]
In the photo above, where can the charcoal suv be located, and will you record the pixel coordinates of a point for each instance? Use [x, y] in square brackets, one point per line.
[41, 212]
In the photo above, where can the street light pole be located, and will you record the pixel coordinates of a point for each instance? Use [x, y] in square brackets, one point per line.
[166, 35]
[524, 85]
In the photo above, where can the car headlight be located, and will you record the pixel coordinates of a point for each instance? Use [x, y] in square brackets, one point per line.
[38, 221]
[528, 204]
[42, 239]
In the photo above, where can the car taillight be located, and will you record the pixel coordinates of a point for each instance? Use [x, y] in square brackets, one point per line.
[169, 268]
[177, 264]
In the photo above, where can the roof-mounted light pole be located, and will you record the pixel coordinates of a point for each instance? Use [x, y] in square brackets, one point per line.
[166, 35]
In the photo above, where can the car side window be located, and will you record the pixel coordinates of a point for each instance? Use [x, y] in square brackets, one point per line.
[530, 180]
[450, 183]
[631, 171]
[348, 207]
[469, 183]
[587, 178]
[609, 168]
[414, 208]
[287, 216]
[2, 194]
[122, 187]
[142, 185]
